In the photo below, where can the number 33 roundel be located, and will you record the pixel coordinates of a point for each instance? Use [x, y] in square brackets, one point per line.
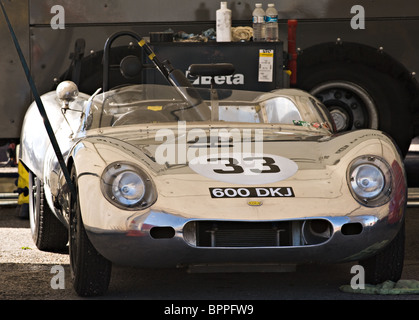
[248, 169]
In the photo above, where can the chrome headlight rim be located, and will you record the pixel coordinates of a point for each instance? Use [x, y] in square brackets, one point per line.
[381, 193]
[127, 186]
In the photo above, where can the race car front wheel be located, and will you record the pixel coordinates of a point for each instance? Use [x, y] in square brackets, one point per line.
[48, 233]
[90, 271]
[388, 263]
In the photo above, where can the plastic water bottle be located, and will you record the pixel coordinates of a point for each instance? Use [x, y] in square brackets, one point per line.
[223, 26]
[271, 21]
[258, 23]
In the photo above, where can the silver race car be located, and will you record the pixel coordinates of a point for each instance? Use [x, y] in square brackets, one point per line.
[175, 176]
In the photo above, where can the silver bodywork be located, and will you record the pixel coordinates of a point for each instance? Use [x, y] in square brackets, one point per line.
[166, 233]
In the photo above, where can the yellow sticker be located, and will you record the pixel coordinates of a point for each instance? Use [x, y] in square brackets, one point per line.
[269, 54]
[152, 56]
[266, 65]
[254, 203]
[155, 108]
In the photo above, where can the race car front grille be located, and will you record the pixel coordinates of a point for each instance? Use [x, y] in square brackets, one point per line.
[242, 234]
[257, 234]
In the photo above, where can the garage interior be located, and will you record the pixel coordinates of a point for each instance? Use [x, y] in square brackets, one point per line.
[184, 32]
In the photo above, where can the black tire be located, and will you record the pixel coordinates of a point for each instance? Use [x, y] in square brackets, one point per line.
[388, 263]
[90, 271]
[48, 233]
[363, 96]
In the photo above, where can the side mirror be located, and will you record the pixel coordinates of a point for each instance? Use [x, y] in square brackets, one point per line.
[67, 91]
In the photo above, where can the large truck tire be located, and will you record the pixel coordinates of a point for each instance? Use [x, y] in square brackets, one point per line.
[359, 92]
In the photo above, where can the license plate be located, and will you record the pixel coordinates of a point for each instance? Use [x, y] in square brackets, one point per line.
[253, 192]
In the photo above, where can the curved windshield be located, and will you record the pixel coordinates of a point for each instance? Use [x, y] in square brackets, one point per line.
[148, 104]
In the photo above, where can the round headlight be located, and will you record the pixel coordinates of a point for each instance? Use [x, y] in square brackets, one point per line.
[367, 181]
[127, 186]
[370, 180]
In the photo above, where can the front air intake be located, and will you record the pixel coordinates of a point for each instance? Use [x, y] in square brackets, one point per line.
[316, 231]
[237, 234]
[240, 234]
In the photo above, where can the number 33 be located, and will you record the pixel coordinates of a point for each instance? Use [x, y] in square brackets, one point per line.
[232, 166]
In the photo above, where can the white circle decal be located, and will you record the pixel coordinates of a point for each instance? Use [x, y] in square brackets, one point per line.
[248, 169]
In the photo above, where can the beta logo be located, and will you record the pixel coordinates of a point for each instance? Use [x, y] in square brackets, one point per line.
[235, 79]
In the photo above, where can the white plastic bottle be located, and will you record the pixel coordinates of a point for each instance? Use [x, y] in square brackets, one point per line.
[258, 23]
[223, 23]
[271, 20]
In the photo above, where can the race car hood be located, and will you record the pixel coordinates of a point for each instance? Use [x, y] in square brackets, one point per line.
[172, 153]
[314, 171]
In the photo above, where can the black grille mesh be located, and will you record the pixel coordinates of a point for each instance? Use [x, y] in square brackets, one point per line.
[243, 234]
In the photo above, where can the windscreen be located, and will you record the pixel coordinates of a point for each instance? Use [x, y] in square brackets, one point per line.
[148, 104]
